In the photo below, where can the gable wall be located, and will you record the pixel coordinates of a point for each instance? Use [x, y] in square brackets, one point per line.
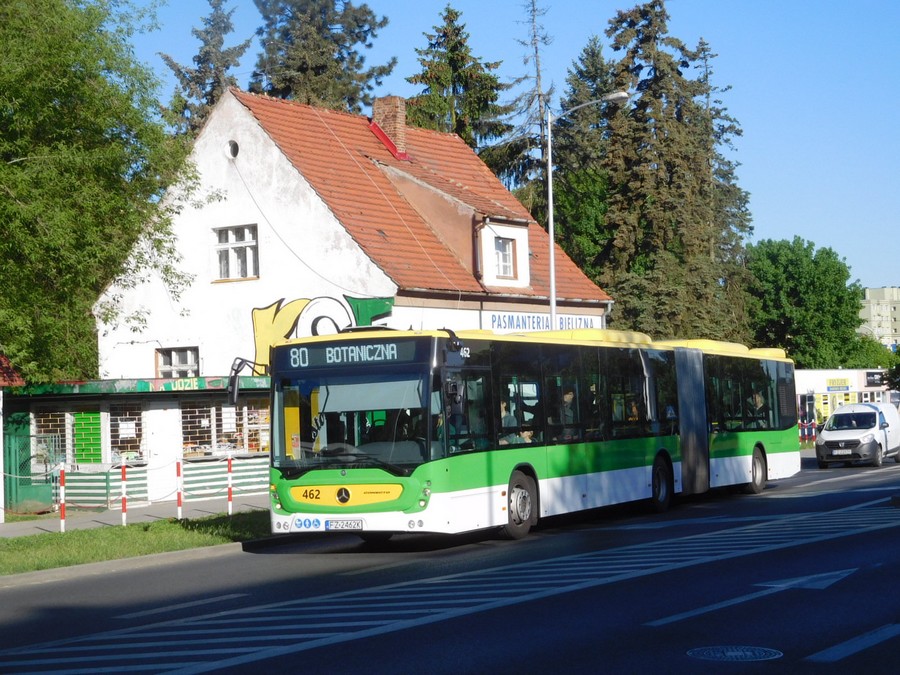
[308, 263]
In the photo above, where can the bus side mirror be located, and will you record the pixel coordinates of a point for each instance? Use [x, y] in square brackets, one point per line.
[233, 386]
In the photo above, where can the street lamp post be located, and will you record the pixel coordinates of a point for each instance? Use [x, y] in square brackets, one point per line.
[615, 97]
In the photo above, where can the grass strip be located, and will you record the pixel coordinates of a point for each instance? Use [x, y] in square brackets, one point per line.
[62, 549]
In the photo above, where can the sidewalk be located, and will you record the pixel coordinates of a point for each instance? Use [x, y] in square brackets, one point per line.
[136, 513]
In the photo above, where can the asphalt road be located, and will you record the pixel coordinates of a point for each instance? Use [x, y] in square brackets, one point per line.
[798, 579]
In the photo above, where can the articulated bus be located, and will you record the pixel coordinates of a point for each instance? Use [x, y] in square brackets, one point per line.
[379, 431]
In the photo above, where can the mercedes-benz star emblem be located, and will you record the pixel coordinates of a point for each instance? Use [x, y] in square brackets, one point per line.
[343, 495]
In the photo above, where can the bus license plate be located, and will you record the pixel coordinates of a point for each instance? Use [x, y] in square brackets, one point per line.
[343, 524]
[840, 452]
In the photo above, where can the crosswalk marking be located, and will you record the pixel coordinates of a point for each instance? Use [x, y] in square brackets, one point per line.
[253, 634]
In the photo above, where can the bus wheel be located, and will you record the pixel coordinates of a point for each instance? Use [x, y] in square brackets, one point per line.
[758, 473]
[522, 506]
[661, 485]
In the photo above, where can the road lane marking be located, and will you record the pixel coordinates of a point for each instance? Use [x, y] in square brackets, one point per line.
[296, 625]
[812, 581]
[855, 645]
[183, 605]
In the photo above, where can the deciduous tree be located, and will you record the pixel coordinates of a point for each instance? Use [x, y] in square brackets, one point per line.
[84, 163]
[802, 299]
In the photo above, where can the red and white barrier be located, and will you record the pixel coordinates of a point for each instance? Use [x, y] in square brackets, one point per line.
[62, 500]
[229, 486]
[179, 487]
[124, 499]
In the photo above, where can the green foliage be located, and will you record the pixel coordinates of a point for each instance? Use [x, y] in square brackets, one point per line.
[892, 376]
[580, 182]
[311, 53]
[802, 300]
[460, 91]
[867, 352]
[84, 163]
[200, 87]
[675, 217]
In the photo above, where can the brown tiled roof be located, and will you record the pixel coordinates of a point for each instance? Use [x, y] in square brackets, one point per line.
[9, 377]
[343, 160]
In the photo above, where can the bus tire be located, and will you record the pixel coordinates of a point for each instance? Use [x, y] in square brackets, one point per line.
[521, 506]
[758, 473]
[661, 485]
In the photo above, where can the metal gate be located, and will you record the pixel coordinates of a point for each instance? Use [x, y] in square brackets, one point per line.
[32, 472]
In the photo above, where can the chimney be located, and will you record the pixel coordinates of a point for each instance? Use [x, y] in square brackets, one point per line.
[389, 113]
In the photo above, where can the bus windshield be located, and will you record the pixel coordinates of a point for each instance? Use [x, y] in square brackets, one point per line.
[342, 420]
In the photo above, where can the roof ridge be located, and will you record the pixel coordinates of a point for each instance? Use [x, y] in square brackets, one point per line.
[297, 104]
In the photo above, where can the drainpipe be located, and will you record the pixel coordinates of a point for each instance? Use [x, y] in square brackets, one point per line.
[476, 244]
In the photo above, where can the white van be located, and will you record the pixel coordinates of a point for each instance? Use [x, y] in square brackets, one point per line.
[860, 432]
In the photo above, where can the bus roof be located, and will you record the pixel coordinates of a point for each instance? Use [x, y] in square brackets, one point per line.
[584, 336]
[727, 348]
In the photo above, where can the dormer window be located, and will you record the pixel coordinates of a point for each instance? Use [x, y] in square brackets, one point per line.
[503, 254]
[505, 250]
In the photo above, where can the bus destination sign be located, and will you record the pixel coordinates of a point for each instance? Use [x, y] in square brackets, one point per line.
[337, 355]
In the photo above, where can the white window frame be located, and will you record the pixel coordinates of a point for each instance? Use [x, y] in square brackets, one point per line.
[505, 256]
[237, 252]
[178, 362]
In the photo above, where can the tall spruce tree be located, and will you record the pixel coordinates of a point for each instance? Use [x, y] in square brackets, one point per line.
[730, 204]
[580, 140]
[311, 53]
[200, 87]
[460, 92]
[664, 266]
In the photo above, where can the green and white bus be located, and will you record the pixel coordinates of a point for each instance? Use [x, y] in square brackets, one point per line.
[379, 431]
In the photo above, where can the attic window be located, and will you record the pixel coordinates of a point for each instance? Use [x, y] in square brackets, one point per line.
[233, 149]
[237, 252]
[505, 253]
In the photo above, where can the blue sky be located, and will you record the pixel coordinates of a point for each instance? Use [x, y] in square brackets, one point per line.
[814, 85]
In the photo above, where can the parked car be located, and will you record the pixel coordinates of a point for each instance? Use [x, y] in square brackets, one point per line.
[859, 432]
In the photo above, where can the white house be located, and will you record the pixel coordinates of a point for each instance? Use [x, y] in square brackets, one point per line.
[329, 220]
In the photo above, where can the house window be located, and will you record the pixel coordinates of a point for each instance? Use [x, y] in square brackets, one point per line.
[505, 250]
[238, 252]
[181, 362]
